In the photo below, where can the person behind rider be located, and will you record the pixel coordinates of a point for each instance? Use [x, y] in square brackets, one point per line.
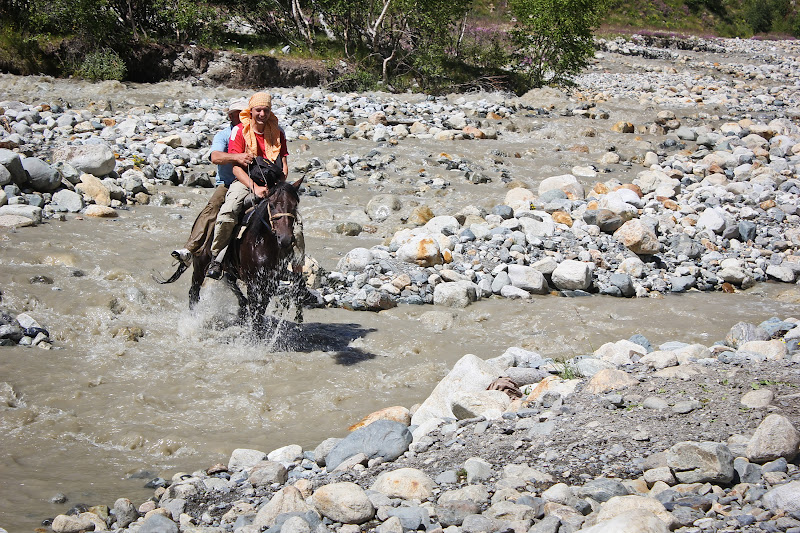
[258, 135]
[203, 226]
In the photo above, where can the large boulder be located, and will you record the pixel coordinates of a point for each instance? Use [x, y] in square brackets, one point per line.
[96, 159]
[458, 294]
[701, 462]
[572, 275]
[405, 483]
[537, 225]
[528, 278]
[519, 199]
[69, 200]
[30, 212]
[287, 500]
[490, 404]
[13, 164]
[775, 437]
[356, 260]
[567, 183]
[422, 250]
[381, 206]
[619, 505]
[470, 373]
[784, 498]
[445, 224]
[633, 521]
[92, 187]
[343, 502]
[41, 176]
[638, 237]
[383, 438]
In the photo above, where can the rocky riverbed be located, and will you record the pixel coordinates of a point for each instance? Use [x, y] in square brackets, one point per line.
[668, 168]
[633, 438]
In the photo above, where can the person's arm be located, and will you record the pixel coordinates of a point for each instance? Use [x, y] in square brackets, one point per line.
[236, 148]
[225, 158]
[242, 177]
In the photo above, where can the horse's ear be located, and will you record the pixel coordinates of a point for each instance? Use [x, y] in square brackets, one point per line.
[297, 183]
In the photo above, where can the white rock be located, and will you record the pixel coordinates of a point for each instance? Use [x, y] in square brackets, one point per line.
[405, 483]
[469, 374]
[519, 199]
[244, 458]
[566, 182]
[356, 260]
[343, 502]
[572, 275]
[95, 159]
[528, 279]
[458, 294]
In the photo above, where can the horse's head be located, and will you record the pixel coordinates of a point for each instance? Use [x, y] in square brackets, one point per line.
[282, 211]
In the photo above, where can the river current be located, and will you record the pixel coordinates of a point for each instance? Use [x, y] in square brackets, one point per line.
[108, 409]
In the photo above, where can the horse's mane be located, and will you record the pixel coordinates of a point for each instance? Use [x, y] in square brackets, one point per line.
[283, 186]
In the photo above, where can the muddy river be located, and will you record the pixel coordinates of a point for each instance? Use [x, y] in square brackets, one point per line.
[101, 413]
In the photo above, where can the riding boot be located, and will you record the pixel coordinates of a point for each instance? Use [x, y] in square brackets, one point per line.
[214, 269]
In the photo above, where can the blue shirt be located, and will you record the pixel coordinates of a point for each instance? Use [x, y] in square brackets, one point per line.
[220, 144]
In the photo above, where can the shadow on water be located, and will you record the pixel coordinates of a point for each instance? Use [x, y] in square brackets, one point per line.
[333, 338]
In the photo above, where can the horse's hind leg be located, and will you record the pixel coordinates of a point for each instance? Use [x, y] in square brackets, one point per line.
[198, 275]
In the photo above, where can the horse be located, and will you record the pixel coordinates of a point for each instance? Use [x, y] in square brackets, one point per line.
[260, 258]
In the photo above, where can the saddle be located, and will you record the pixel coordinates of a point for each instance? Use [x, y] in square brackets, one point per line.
[250, 204]
[265, 173]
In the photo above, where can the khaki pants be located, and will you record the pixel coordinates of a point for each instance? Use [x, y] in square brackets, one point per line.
[231, 212]
[203, 228]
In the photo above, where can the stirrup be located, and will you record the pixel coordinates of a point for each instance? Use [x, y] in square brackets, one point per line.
[214, 270]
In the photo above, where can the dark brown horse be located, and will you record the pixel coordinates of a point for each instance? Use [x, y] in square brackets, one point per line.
[260, 258]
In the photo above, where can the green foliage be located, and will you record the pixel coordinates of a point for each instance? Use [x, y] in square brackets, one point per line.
[567, 370]
[115, 22]
[484, 47]
[357, 80]
[396, 37]
[102, 64]
[553, 38]
[758, 14]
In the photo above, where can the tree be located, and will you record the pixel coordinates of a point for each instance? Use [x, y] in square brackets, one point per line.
[553, 38]
[398, 36]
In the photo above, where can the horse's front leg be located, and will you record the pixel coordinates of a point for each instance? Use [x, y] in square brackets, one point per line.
[259, 294]
[298, 290]
[240, 297]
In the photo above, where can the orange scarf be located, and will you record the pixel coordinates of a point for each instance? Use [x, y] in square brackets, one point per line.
[272, 132]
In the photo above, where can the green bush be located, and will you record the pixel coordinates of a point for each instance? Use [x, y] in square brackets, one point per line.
[553, 38]
[102, 64]
[355, 81]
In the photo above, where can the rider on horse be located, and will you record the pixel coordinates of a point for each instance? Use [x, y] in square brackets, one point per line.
[203, 227]
[258, 134]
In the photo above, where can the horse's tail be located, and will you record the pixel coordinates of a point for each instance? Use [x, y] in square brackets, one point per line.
[174, 277]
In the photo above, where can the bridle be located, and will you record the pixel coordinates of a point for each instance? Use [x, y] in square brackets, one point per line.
[276, 216]
[272, 217]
